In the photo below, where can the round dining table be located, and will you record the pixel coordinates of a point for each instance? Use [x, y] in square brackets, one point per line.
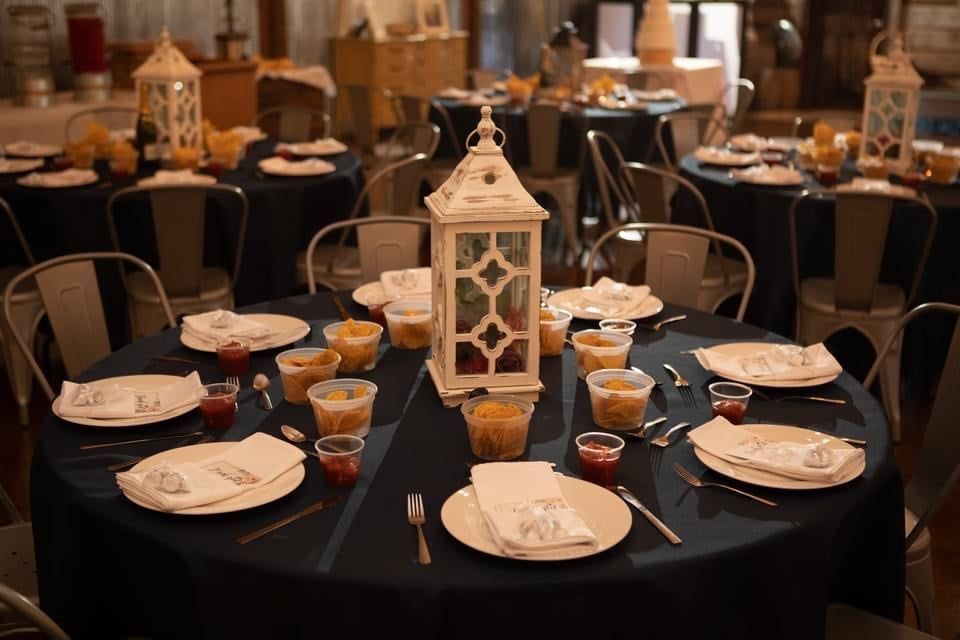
[109, 568]
[284, 213]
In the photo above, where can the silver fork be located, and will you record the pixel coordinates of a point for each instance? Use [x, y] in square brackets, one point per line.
[764, 396]
[697, 482]
[664, 440]
[416, 517]
[234, 380]
[682, 385]
[656, 327]
[642, 433]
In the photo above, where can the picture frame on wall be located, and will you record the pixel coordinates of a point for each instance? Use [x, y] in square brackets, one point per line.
[432, 17]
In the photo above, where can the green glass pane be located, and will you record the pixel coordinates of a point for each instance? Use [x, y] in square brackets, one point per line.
[472, 305]
[899, 98]
[513, 359]
[512, 303]
[470, 248]
[877, 96]
[515, 247]
[874, 125]
[895, 125]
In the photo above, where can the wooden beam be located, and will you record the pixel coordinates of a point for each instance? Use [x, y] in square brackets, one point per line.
[273, 28]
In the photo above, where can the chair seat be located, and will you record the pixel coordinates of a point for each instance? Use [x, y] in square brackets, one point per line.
[713, 274]
[920, 546]
[845, 622]
[18, 564]
[346, 271]
[214, 283]
[817, 294]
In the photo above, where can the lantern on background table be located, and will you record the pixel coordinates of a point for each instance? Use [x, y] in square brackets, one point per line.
[890, 107]
[485, 234]
[564, 56]
[173, 86]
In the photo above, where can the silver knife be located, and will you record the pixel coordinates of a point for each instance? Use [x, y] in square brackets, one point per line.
[186, 441]
[316, 506]
[631, 499]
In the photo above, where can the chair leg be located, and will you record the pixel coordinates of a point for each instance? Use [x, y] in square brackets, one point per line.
[920, 582]
[568, 212]
[18, 370]
[890, 388]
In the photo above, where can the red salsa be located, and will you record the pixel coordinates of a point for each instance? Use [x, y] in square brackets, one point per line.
[234, 358]
[377, 315]
[218, 410]
[598, 463]
[340, 471]
[730, 409]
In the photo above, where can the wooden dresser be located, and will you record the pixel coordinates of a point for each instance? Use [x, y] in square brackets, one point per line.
[414, 65]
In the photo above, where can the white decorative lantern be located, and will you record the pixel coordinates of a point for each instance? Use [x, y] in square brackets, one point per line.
[890, 107]
[485, 233]
[174, 91]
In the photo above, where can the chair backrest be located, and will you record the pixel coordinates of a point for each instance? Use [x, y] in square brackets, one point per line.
[861, 223]
[686, 132]
[359, 100]
[649, 191]
[676, 259]
[606, 157]
[17, 232]
[179, 213]
[409, 108]
[385, 242]
[938, 465]
[745, 92]
[482, 78]
[405, 178]
[71, 296]
[839, 120]
[294, 123]
[114, 118]
[543, 134]
[32, 614]
[448, 129]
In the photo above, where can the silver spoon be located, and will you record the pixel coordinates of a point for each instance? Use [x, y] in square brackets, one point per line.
[295, 435]
[261, 383]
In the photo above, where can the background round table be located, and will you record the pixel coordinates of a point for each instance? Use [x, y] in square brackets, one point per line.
[107, 567]
[284, 214]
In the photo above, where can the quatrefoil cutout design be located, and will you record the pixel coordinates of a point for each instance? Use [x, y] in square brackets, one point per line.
[492, 273]
[492, 336]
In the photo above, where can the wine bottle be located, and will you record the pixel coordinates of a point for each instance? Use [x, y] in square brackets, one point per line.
[146, 139]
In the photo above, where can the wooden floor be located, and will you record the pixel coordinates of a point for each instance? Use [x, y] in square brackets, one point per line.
[16, 449]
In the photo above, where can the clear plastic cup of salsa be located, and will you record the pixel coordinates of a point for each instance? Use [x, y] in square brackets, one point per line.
[218, 404]
[339, 457]
[233, 354]
[599, 457]
[730, 399]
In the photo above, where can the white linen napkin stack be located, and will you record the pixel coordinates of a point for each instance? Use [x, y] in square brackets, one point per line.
[525, 511]
[611, 298]
[738, 446]
[774, 363]
[65, 178]
[252, 463]
[221, 324]
[406, 282]
[114, 401]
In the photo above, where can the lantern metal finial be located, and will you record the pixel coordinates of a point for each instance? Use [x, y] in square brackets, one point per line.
[486, 130]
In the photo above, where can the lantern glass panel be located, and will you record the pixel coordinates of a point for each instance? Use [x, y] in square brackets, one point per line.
[876, 97]
[514, 358]
[512, 303]
[893, 151]
[470, 248]
[472, 305]
[896, 125]
[899, 98]
[515, 247]
[874, 124]
[470, 360]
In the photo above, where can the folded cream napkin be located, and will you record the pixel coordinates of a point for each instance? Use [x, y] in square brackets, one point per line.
[525, 510]
[66, 178]
[253, 462]
[212, 326]
[249, 134]
[308, 167]
[13, 165]
[94, 400]
[406, 282]
[738, 446]
[31, 149]
[318, 147]
[610, 298]
[748, 142]
[762, 174]
[775, 362]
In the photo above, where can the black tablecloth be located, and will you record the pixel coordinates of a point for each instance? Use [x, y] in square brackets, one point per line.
[757, 216]
[108, 567]
[284, 214]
